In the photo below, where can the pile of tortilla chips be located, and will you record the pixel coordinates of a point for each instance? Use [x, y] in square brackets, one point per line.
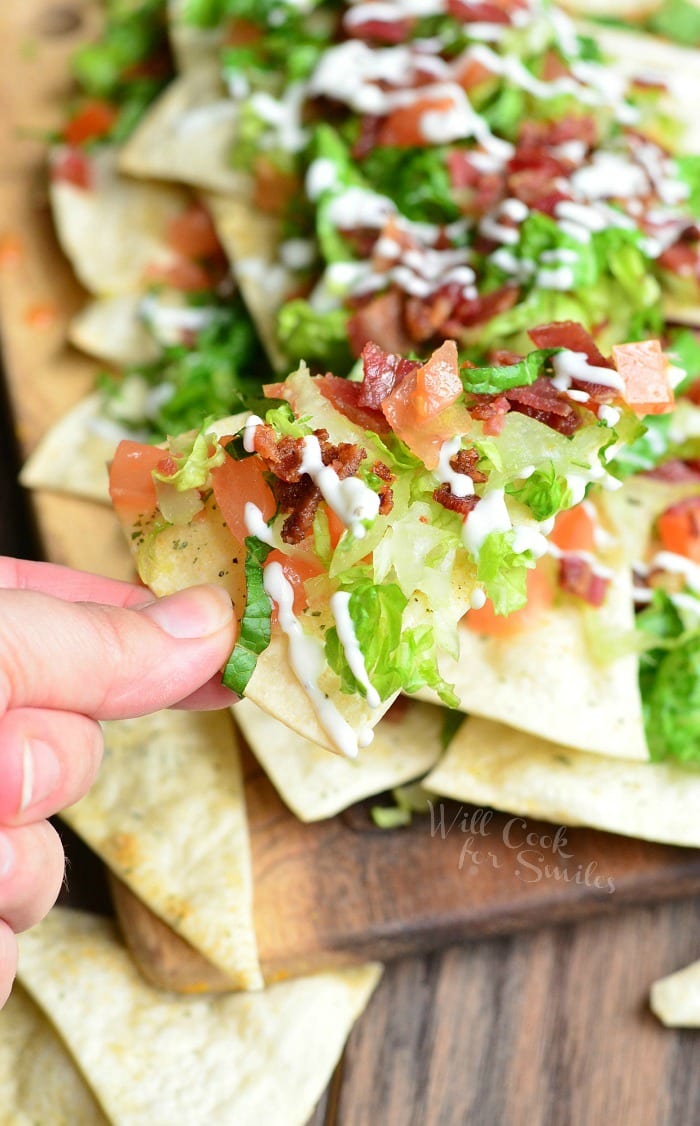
[551, 731]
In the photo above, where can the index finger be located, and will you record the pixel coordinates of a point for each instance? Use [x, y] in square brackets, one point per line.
[70, 585]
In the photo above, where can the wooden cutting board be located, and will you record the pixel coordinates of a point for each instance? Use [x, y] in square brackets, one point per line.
[328, 893]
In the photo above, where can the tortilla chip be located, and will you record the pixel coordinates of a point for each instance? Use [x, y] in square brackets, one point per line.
[491, 764]
[250, 239]
[160, 1059]
[315, 784]
[632, 10]
[676, 999]
[633, 509]
[39, 1082]
[114, 232]
[192, 45]
[112, 330]
[636, 54]
[72, 456]
[545, 680]
[187, 135]
[167, 814]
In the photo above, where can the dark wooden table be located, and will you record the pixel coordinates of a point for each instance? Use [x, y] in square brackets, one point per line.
[549, 1028]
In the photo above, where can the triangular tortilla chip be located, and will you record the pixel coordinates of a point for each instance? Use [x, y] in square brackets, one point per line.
[676, 999]
[72, 456]
[315, 784]
[112, 330]
[161, 1059]
[633, 510]
[192, 45]
[545, 680]
[491, 764]
[167, 814]
[114, 231]
[39, 1082]
[187, 135]
[632, 10]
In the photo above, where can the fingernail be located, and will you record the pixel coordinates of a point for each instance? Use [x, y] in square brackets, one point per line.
[7, 857]
[41, 773]
[197, 612]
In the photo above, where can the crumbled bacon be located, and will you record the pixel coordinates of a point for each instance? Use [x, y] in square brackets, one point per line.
[301, 499]
[492, 410]
[475, 310]
[477, 12]
[465, 461]
[385, 493]
[368, 135]
[380, 30]
[543, 402]
[346, 397]
[675, 472]
[572, 335]
[463, 505]
[383, 371]
[577, 576]
[381, 319]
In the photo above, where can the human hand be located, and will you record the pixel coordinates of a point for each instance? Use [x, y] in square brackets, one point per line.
[74, 649]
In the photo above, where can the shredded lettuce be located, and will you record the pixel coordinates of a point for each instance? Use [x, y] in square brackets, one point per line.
[545, 492]
[492, 380]
[678, 20]
[648, 450]
[255, 631]
[416, 179]
[321, 338]
[669, 679]
[503, 572]
[194, 457]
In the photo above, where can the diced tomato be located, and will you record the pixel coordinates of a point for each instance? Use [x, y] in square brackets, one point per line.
[71, 166]
[423, 408]
[192, 233]
[540, 595]
[236, 483]
[404, 127]
[296, 572]
[644, 371]
[131, 485]
[273, 188]
[336, 527]
[574, 530]
[679, 528]
[93, 120]
[470, 73]
[182, 274]
[380, 319]
[277, 391]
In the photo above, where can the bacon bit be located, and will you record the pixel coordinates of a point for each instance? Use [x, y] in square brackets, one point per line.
[242, 33]
[380, 30]
[576, 576]
[11, 249]
[692, 393]
[368, 135]
[41, 316]
[477, 12]
[492, 410]
[675, 472]
[425, 315]
[294, 490]
[381, 319]
[383, 371]
[542, 401]
[475, 310]
[463, 505]
[273, 189]
[465, 461]
[346, 397]
[386, 493]
[192, 233]
[682, 259]
[571, 335]
[503, 357]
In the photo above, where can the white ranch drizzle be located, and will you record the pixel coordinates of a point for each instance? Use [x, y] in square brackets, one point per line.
[596, 566]
[460, 484]
[489, 515]
[677, 565]
[351, 500]
[307, 659]
[256, 525]
[249, 427]
[351, 647]
[575, 365]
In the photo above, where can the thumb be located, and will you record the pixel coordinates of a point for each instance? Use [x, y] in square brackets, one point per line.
[108, 662]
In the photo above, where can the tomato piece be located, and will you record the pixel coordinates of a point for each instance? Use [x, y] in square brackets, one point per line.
[336, 527]
[423, 408]
[72, 167]
[679, 528]
[405, 126]
[472, 73]
[574, 530]
[540, 595]
[93, 120]
[181, 274]
[236, 483]
[273, 189]
[296, 572]
[131, 484]
[192, 233]
[644, 371]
